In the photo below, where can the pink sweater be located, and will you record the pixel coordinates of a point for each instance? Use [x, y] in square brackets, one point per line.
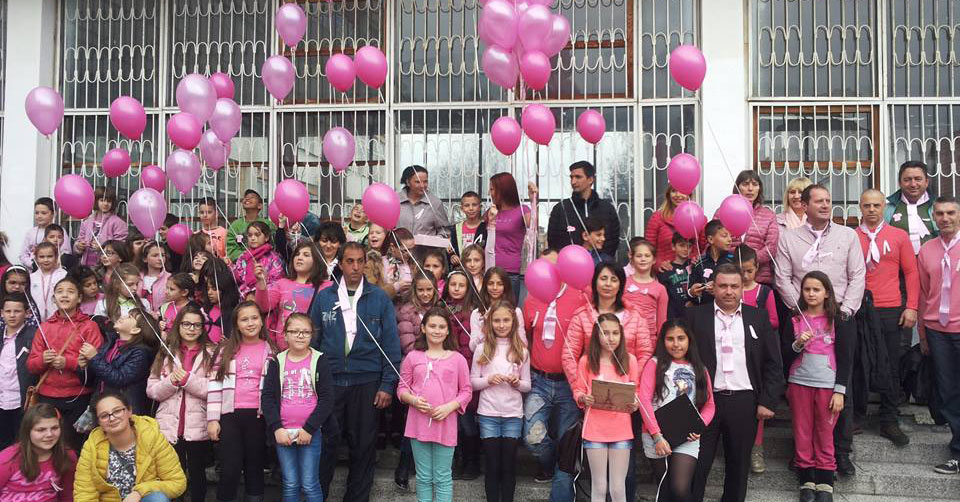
[651, 300]
[15, 488]
[408, 325]
[169, 396]
[602, 425]
[502, 400]
[931, 279]
[282, 298]
[112, 227]
[635, 329]
[439, 381]
[763, 239]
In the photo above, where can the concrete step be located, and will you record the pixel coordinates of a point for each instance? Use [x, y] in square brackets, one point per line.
[926, 447]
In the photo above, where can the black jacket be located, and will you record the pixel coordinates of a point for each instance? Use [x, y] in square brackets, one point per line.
[322, 417]
[763, 351]
[563, 216]
[22, 347]
[127, 372]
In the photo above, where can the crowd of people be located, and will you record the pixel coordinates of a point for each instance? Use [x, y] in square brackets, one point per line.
[126, 366]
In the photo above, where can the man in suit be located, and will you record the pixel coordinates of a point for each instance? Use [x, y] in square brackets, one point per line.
[741, 352]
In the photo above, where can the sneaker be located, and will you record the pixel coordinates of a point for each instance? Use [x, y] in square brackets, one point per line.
[758, 463]
[542, 477]
[894, 434]
[951, 466]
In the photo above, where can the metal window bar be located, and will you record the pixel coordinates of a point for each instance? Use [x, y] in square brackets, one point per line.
[923, 42]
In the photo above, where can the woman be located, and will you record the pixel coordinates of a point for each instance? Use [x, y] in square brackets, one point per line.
[39, 467]
[660, 230]
[763, 232]
[126, 458]
[508, 227]
[793, 215]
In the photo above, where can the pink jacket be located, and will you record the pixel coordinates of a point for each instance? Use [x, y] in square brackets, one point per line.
[35, 236]
[168, 397]
[157, 295]
[763, 239]
[408, 326]
[113, 228]
[651, 300]
[246, 282]
[635, 330]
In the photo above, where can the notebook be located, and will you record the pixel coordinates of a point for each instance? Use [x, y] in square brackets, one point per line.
[678, 419]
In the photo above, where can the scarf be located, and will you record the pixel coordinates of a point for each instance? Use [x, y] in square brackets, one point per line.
[253, 257]
[725, 358]
[349, 312]
[791, 219]
[915, 224]
[946, 269]
[873, 251]
[810, 257]
[550, 320]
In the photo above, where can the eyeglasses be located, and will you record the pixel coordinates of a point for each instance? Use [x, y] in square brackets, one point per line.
[191, 325]
[103, 417]
[300, 334]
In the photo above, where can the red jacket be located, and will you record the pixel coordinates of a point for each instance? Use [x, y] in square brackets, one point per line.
[53, 334]
[534, 311]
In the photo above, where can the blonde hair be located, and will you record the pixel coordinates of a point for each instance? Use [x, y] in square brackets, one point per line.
[795, 184]
[667, 208]
[518, 349]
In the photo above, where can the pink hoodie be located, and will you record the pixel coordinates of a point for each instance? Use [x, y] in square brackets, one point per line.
[282, 298]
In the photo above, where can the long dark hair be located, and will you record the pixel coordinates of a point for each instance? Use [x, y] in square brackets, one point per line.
[507, 287]
[174, 342]
[449, 343]
[749, 175]
[29, 465]
[595, 350]
[230, 346]
[693, 357]
[149, 335]
[830, 306]
[615, 270]
[22, 272]
[319, 272]
[469, 301]
[216, 273]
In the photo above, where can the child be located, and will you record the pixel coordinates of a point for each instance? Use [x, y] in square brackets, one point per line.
[496, 288]
[252, 205]
[89, 289]
[180, 293]
[701, 277]
[501, 372]
[305, 276]
[101, 226]
[59, 349]
[396, 261]
[607, 435]
[675, 371]
[677, 278]
[120, 296]
[259, 252]
[297, 400]
[375, 237]
[422, 297]
[43, 213]
[48, 273]
[14, 378]
[135, 242]
[435, 262]
[16, 279]
[472, 230]
[114, 253]
[220, 298]
[56, 235]
[154, 275]
[459, 300]
[197, 259]
[40, 467]
[179, 388]
[358, 227]
[434, 383]
[594, 235]
[472, 260]
[233, 404]
[210, 226]
[330, 237]
[642, 291]
[816, 385]
[123, 361]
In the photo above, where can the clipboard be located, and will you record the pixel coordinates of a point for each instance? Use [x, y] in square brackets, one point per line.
[678, 419]
[613, 396]
[433, 241]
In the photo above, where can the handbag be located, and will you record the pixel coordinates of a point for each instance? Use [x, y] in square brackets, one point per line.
[569, 449]
[32, 395]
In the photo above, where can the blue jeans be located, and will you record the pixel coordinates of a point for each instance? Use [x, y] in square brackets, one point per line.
[155, 497]
[945, 351]
[547, 413]
[300, 465]
[499, 427]
[434, 475]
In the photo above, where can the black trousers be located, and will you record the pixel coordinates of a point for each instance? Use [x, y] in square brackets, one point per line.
[193, 460]
[353, 408]
[897, 340]
[736, 420]
[9, 426]
[243, 448]
[843, 432]
[70, 408]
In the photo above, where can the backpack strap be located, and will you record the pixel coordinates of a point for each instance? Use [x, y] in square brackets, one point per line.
[314, 358]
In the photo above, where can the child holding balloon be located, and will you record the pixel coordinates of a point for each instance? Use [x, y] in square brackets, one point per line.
[101, 226]
[258, 252]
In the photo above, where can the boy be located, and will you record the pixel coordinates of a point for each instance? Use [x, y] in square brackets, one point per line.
[42, 281]
[701, 278]
[472, 230]
[14, 376]
[252, 205]
[55, 235]
[357, 227]
[594, 236]
[677, 278]
[330, 236]
[210, 225]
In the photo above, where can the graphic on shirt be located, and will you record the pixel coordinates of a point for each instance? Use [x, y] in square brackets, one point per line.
[297, 386]
[44, 487]
[685, 381]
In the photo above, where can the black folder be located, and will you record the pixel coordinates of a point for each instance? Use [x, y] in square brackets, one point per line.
[678, 419]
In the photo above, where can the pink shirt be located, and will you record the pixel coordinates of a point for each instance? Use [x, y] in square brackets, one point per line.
[730, 329]
[282, 298]
[931, 279]
[651, 300]
[511, 230]
[605, 426]
[297, 397]
[249, 359]
[9, 382]
[47, 487]
[750, 298]
[502, 400]
[439, 381]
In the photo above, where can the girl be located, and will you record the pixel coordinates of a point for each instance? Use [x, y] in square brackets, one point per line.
[135, 242]
[180, 293]
[39, 467]
[607, 434]
[101, 226]
[643, 292]
[297, 400]
[510, 239]
[501, 372]
[459, 300]
[422, 297]
[473, 262]
[306, 276]
[496, 289]
[233, 403]
[179, 386]
[43, 213]
[120, 296]
[210, 226]
[114, 254]
[48, 273]
[434, 383]
[376, 236]
[435, 262]
[59, 349]
[154, 275]
[396, 260]
[195, 264]
[221, 297]
[89, 289]
[674, 371]
[258, 252]
[17, 279]
[816, 384]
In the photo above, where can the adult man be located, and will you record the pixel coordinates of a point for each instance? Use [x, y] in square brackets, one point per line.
[834, 250]
[741, 352]
[911, 208]
[357, 329]
[567, 216]
[889, 255]
[938, 263]
[421, 212]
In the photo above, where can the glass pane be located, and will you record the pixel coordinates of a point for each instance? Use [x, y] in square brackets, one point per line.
[923, 45]
[663, 26]
[664, 132]
[927, 133]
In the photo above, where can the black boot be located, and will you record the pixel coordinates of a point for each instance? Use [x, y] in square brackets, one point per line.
[845, 466]
[471, 457]
[401, 476]
[824, 480]
[808, 488]
[458, 461]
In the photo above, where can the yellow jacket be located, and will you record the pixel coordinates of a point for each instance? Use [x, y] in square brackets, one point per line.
[158, 467]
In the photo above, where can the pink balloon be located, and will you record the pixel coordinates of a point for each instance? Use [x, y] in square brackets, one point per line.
[591, 126]
[178, 236]
[688, 66]
[214, 152]
[559, 35]
[184, 130]
[116, 163]
[542, 280]
[196, 96]
[736, 214]
[683, 173]
[44, 109]
[382, 205]
[341, 72]
[538, 123]
[534, 27]
[278, 75]
[153, 177]
[147, 209]
[339, 147]
[274, 212]
[500, 66]
[292, 199]
[74, 195]
[371, 66]
[226, 119]
[498, 23]
[535, 68]
[183, 169]
[575, 265]
[128, 116]
[688, 219]
[223, 84]
[506, 134]
[291, 23]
